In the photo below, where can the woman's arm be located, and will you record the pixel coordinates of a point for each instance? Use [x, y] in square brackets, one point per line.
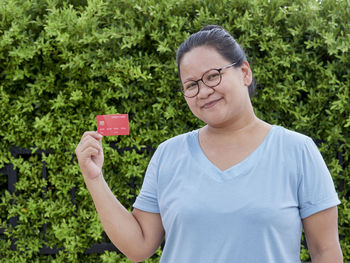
[321, 231]
[136, 234]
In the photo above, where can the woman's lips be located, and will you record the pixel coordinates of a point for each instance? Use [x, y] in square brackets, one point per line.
[210, 104]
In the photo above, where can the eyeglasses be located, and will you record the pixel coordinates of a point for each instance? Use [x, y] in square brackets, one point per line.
[210, 78]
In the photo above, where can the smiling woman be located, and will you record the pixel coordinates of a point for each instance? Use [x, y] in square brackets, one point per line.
[236, 190]
[225, 102]
[224, 44]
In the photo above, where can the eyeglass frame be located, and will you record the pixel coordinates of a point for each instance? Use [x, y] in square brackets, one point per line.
[201, 79]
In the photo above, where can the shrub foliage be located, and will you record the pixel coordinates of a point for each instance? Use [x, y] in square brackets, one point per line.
[64, 62]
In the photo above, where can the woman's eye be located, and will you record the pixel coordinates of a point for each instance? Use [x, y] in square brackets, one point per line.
[190, 86]
[213, 76]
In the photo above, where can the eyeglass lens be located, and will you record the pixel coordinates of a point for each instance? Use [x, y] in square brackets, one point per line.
[210, 78]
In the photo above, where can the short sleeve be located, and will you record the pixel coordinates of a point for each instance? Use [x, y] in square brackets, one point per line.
[147, 200]
[316, 189]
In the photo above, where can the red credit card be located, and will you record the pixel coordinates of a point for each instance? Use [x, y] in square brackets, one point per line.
[114, 124]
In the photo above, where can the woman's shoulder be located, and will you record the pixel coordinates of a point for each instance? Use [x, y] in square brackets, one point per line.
[179, 140]
[291, 134]
[292, 145]
[176, 146]
[291, 137]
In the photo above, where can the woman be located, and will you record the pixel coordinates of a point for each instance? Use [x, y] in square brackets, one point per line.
[236, 190]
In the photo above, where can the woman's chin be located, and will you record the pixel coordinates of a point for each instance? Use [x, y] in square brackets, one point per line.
[216, 123]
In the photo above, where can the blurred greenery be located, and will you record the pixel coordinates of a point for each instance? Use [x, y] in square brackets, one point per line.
[64, 62]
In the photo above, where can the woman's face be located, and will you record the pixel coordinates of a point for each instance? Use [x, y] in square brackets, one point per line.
[224, 104]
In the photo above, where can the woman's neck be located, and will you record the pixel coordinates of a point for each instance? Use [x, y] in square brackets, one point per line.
[236, 131]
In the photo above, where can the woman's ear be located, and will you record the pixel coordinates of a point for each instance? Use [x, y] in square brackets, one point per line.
[247, 73]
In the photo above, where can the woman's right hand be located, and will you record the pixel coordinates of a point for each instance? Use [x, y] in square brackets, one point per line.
[137, 234]
[90, 154]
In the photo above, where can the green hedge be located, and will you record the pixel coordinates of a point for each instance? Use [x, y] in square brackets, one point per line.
[63, 64]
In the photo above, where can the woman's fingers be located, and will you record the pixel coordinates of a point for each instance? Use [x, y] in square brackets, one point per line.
[89, 142]
[90, 151]
[89, 139]
[93, 134]
[90, 154]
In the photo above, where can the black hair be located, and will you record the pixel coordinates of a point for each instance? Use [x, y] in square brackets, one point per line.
[218, 38]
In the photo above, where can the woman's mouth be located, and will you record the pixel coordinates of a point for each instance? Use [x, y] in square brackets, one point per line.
[210, 104]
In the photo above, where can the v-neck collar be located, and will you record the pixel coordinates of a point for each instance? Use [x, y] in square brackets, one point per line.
[240, 168]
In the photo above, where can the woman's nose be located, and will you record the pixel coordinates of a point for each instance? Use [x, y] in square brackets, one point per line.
[204, 90]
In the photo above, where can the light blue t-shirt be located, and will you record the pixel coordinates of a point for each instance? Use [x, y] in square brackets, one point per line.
[248, 213]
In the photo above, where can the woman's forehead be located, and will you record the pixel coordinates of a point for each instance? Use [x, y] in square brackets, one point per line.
[200, 59]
